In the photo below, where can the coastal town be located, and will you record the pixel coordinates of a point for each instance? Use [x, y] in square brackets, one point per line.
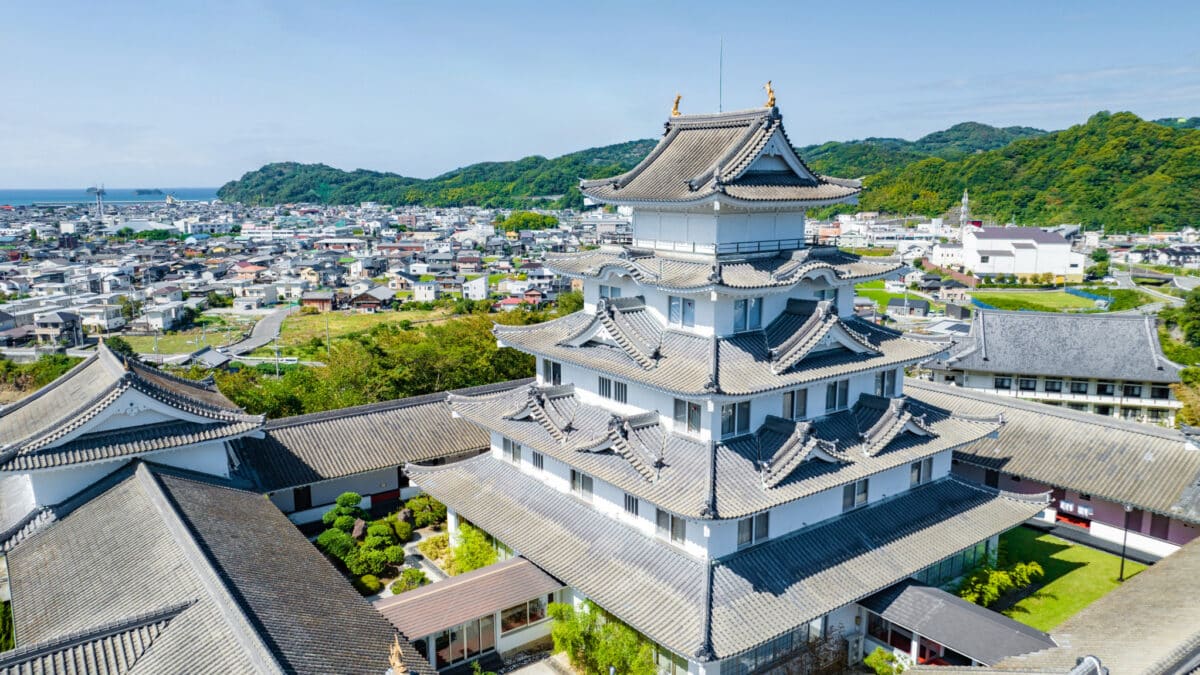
[739, 439]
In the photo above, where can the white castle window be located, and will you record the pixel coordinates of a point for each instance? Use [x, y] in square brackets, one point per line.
[837, 395]
[795, 404]
[735, 419]
[687, 416]
[754, 529]
[681, 311]
[747, 314]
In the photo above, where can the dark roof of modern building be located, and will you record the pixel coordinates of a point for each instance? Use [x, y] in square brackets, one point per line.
[705, 156]
[446, 604]
[37, 430]
[309, 448]
[1090, 346]
[915, 303]
[1010, 233]
[1148, 625]
[674, 272]
[982, 634]
[1150, 467]
[224, 581]
[687, 364]
[717, 610]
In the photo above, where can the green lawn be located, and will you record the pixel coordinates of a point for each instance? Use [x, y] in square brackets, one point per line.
[1076, 576]
[874, 290]
[192, 339]
[300, 328]
[1045, 301]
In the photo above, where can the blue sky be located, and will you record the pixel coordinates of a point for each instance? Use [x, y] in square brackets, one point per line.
[129, 94]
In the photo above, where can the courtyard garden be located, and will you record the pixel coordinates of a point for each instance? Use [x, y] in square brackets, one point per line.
[375, 555]
[1074, 576]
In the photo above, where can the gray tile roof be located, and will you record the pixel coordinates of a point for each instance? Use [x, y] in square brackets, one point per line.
[147, 539]
[967, 628]
[306, 449]
[1152, 468]
[753, 362]
[112, 649]
[701, 156]
[1100, 346]
[34, 428]
[445, 604]
[673, 272]
[727, 480]
[1149, 625]
[754, 595]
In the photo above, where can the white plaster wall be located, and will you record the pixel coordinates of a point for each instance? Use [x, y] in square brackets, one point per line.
[674, 226]
[1136, 540]
[210, 458]
[365, 484]
[54, 486]
[18, 493]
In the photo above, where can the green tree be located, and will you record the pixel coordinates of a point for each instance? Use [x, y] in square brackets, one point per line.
[595, 640]
[473, 550]
[884, 662]
[569, 303]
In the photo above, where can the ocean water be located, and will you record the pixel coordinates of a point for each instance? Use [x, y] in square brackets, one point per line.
[113, 196]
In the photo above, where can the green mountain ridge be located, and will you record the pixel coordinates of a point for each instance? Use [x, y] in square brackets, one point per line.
[1115, 170]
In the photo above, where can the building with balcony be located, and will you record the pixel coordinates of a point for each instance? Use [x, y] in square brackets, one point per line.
[716, 450]
[1107, 364]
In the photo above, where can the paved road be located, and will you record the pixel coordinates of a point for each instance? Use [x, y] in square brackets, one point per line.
[264, 331]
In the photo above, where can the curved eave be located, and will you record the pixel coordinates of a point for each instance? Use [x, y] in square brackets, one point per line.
[711, 197]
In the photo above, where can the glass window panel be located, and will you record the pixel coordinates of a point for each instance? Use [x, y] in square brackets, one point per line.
[754, 313]
[678, 529]
[831, 397]
[441, 645]
[789, 405]
[662, 520]
[457, 644]
[537, 610]
[675, 310]
[843, 393]
[694, 417]
[745, 532]
[739, 315]
[472, 638]
[762, 526]
[487, 633]
[743, 417]
[514, 618]
[848, 497]
[727, 421]
[689, 312]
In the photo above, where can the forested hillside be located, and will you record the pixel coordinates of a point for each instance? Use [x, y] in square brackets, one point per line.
[532, 181]
[1116, 170]
[855, 159]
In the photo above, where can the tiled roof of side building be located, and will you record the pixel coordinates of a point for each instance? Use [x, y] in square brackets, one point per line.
[147, 539]
[724, 480]
[435, 607]
[674, 272]
[309, 448]
[32, 431]
[691, 365]
[1099, 346]
[721, 610]
[1152, 468]
[1018, 233]
[982, 634]
[701, 156]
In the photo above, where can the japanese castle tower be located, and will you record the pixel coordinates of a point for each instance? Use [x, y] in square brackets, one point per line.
[716, 450]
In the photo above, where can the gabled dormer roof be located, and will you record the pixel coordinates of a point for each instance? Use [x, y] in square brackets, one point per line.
[742, 156]
[625, 323]
[40, 431]
[808, 327]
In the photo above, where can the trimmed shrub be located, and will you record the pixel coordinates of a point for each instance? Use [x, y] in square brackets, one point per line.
[395, 554]
[344, 523]
[427, 511]
[435, 547]
[349, 500]
[368, 584]
[381, 529]
[336, 543]
[403, 530]
[373, 543]
[409, 579]
[366, 561]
